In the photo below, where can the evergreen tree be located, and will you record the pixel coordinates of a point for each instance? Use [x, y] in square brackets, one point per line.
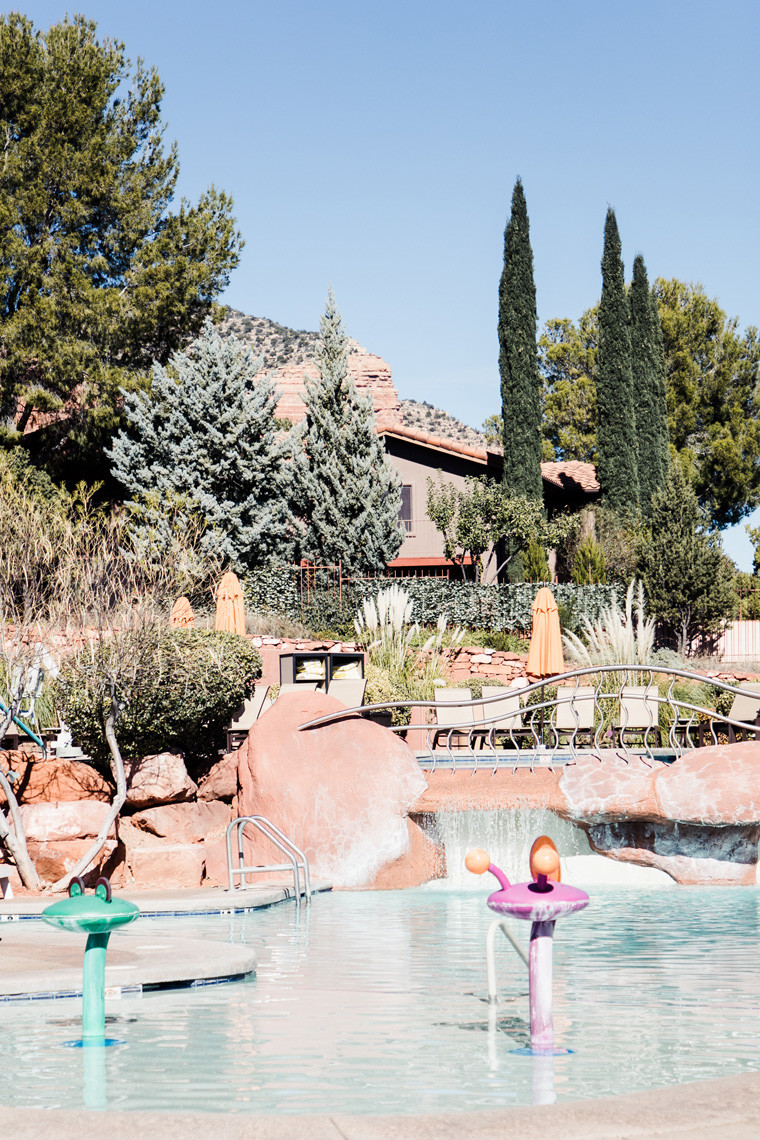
[687, 578]
[616, 425]
[518, 361]
[204, 438]
[98, 277]
[712, 383]
[348, 496]
[648, 371]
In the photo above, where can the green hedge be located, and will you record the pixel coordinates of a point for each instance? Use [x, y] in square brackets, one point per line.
[504, 607]
[180, 689]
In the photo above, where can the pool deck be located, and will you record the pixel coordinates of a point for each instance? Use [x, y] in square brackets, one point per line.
[723, 1109]
[38, 962]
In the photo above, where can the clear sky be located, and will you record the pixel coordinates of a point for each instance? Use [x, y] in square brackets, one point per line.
[374, 146]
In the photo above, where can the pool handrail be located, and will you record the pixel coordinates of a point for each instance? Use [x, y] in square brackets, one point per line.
[297, 860]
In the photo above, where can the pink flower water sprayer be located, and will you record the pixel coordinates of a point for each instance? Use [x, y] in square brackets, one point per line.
[541, 901]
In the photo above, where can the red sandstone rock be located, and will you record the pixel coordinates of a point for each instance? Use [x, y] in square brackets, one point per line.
[160, 779]
[215, 864]
[49, 823]
[52, 780]
[341, 792]
[167, 865]
[221, 782]
[697, 819]
[54, 860]
[486, 790]
[425, 860]
[184, 823]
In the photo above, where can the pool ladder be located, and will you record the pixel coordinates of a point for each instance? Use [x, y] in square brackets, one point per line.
[297, 861]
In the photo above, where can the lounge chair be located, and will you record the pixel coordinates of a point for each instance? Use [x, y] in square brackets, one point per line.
[575, 713]
[744, 709]
[508, 709]
[349, 690]
[639, 714]
[246, 716]
[447, 717]
[298, 687]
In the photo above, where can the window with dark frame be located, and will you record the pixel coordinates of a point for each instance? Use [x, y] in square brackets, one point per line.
[405, 510]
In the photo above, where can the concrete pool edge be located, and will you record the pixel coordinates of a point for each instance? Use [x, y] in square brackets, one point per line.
[726, 1108]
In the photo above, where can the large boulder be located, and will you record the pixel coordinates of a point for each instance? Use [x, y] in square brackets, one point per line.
[159, 779]
[184, 823]
[221, 780]
[341, 792]
[55, 859]
[697, 819]
[52, 780]
[48, 823]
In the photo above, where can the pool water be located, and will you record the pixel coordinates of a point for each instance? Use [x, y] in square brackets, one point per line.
[376, 1003]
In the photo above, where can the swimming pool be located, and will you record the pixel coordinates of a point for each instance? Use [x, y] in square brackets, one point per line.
[375, 1003]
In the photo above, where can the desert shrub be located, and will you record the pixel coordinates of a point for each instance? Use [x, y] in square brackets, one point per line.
[496, 639]
[180, 692]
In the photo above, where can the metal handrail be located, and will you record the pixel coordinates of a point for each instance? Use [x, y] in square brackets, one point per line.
[296, 858]
[538, 723]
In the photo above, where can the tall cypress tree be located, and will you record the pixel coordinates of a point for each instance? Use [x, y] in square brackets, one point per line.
[616, 424]
[518, 358]
[648, 371]
[346, 492]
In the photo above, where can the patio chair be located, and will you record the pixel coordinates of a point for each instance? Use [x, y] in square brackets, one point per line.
[508, 708]
[246, 716]
[298, 687]
[455, 738]
[639, 714]
[575, 713]
[348, 690]
[745, 709]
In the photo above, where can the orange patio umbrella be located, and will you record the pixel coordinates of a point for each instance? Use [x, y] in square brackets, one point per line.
[545, 653]
[230, 614]
[182, 614]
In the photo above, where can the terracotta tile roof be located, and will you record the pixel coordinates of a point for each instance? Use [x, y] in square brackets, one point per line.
[479, 454]
[570, 476]
[565, 474]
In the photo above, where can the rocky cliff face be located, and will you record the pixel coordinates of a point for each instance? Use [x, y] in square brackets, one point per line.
[288, 357]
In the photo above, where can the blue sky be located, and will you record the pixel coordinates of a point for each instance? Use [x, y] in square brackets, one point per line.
[374, 146]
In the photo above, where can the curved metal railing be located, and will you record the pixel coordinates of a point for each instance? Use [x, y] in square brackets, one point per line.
[670, 726]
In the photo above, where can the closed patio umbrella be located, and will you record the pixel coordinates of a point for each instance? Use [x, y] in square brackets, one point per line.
[230, 614]
[545, 653]
[182, 614]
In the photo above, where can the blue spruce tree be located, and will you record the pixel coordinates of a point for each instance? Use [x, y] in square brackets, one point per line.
[205, 437]
[348, 496]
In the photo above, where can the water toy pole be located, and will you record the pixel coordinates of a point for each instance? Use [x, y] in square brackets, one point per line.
[96, 915]
[541, 902]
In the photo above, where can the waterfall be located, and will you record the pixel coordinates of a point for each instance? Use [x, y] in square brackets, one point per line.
[507, 835]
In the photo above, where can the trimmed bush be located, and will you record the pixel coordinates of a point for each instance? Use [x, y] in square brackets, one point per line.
[474, 605]
[180, 690]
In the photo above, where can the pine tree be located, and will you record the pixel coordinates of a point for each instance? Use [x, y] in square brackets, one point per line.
[648, 371]
[518, 358]
[204, 437]
[347, 493]
[687, 578]
[616, 425]
[100, 277]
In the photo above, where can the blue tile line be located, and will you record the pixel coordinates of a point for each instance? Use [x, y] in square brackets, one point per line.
[126, 991]
[221, 911]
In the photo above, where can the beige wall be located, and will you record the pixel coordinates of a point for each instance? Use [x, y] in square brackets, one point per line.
[415, 464]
